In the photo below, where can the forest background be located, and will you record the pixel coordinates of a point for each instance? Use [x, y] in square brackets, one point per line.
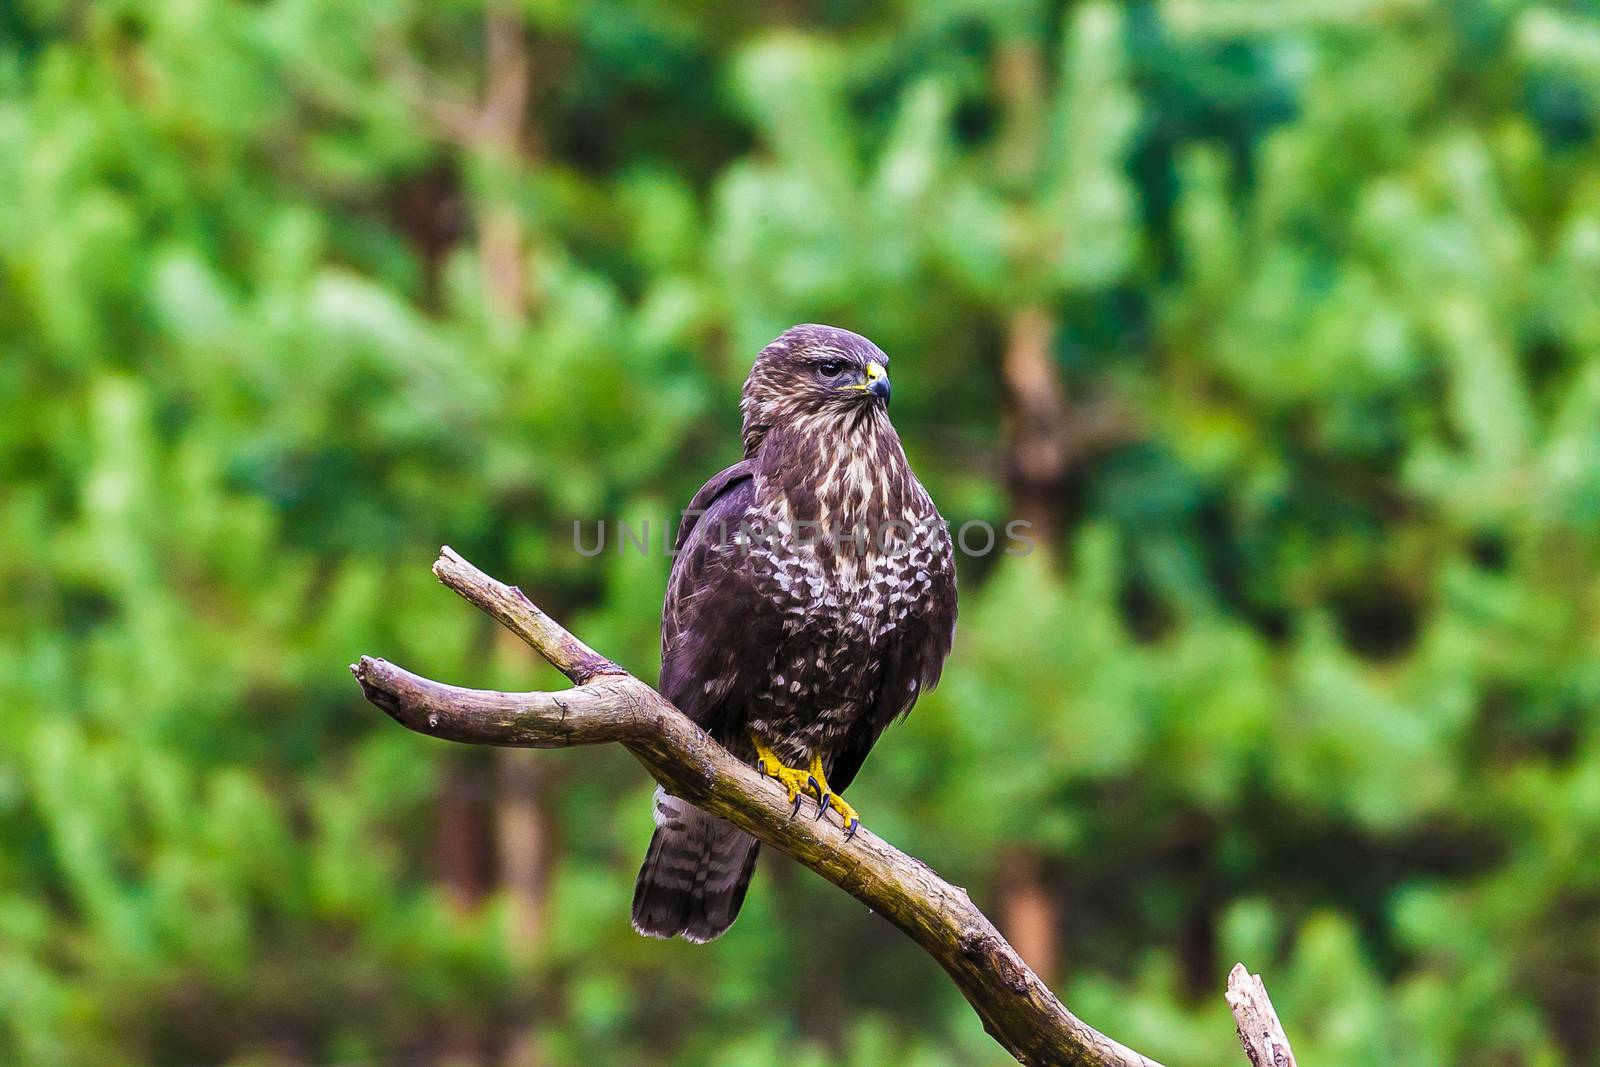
[1278, 321]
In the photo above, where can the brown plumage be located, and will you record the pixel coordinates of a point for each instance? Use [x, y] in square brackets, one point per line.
[811, 601]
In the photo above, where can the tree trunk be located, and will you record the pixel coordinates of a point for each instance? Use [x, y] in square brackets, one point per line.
[461, 844]
[521, 840]
[1036, 419]
[1028, 912]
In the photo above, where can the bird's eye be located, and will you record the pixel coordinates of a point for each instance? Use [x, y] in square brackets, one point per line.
[830, 369]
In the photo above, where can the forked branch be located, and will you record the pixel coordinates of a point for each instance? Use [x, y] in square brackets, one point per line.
[608, 704]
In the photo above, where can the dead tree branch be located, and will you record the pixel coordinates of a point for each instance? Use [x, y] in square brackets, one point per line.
[1259, 1029]
[606, 704]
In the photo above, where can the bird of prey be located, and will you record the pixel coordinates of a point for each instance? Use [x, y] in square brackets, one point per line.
[812, 599]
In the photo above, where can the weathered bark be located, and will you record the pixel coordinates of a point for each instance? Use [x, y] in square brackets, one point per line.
[1259, 1029]
[606, 704]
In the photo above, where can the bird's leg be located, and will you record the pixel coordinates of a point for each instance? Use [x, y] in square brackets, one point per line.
[795, 782]
[827, 798]
[812, 782]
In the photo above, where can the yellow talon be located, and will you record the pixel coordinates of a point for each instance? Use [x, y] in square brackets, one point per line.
[794, 781]
[827, 798]
[812, 782]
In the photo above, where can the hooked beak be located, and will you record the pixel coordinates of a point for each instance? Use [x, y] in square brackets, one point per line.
[877, 382]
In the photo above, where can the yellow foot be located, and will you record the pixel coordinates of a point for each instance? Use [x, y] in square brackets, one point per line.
[827, 798]
[794, 781]
[806, 783]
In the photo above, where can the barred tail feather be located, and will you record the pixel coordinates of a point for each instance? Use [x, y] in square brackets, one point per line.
[694, 875]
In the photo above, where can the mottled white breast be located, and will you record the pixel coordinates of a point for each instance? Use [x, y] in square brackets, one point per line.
[842, 611]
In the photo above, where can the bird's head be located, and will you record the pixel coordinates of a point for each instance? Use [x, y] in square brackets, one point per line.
[819, 377]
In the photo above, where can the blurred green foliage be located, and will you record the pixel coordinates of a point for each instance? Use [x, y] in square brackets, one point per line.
[1308, 676]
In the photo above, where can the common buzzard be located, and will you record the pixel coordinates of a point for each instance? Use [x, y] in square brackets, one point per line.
[812, 599]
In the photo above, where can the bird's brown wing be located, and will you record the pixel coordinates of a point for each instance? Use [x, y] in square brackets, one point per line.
[714, 642]
[717, 631]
